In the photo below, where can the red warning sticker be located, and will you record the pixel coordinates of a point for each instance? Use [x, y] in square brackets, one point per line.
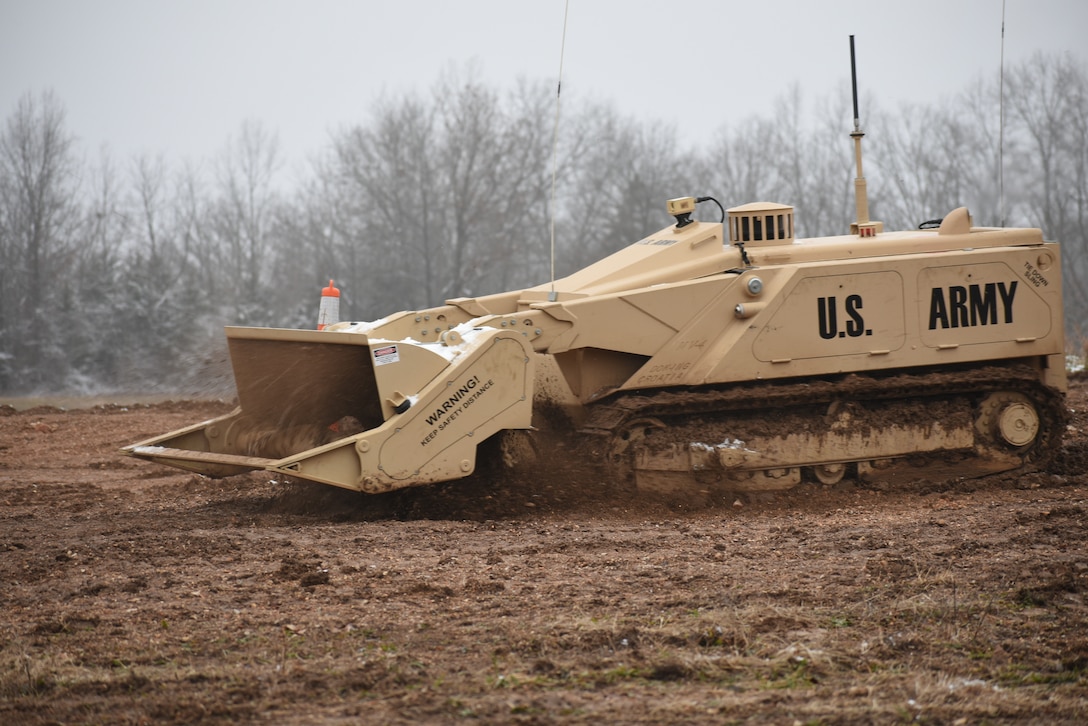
[388, 354]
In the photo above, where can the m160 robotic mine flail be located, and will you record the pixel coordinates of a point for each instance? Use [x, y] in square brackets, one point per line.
[707, 356]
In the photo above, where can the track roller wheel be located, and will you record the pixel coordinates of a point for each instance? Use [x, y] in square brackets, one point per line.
[828, 473]
[1008, 419]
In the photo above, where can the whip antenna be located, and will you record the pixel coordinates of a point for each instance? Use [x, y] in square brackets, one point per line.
[854, 87]
[555, 145]
[1001, 127]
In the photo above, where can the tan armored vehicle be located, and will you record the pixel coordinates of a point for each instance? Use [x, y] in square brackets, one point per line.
[711, 355]
[707, 356]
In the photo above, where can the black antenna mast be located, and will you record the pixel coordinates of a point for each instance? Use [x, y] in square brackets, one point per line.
[854, 86]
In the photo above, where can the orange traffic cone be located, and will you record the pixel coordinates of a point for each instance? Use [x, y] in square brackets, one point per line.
[329, 312]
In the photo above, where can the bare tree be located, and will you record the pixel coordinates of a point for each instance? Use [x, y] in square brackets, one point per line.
[822, 169]
[618, 185]
[443, 198]
[308, 252]
[741, 165]
[242, 217]
[198, 245]
[1075, 228]
[91, 296]
[915, 156]
[493, 166]
[39, 176]
[386, 222]
[1048, 158]
[797, 157]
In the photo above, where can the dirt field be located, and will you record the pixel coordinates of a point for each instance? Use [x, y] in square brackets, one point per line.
[137, 594]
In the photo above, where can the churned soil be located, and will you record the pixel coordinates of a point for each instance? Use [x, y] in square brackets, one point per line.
[134, 593]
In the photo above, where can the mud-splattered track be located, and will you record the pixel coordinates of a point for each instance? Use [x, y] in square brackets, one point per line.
[135, 594]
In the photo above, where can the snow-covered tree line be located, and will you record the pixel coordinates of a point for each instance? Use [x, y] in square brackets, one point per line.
[120, 274]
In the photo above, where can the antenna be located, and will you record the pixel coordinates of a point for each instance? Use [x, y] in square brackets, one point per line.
[1001, 128]
[862, 225]
[854, 87]
[555, 146]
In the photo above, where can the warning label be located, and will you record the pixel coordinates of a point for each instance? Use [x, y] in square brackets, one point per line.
[455, 405]
[388, 354]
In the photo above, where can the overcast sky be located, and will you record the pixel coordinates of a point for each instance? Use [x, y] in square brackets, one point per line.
[179, 77]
